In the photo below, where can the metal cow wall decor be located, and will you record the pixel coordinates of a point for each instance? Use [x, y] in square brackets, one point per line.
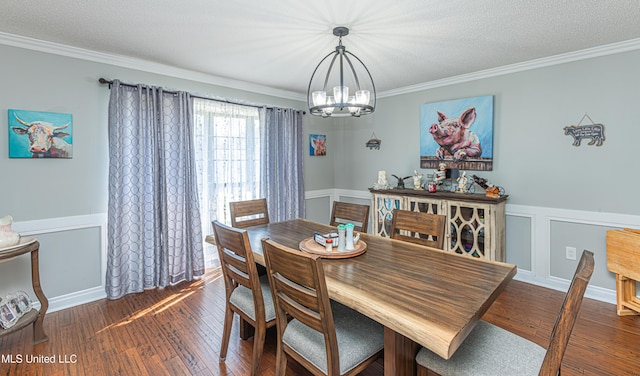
[594, 131]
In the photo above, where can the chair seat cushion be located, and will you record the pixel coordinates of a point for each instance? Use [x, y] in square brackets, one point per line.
[242, 298]
[358, 336]
[488, 350]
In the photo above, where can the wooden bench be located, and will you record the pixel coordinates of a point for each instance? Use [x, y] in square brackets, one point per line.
[623, 258]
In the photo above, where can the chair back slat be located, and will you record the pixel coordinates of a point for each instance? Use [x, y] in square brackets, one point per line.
[344, 212]
[249, 213]
[299, 303]
[567, 317]
[420, 228]
[236, 259]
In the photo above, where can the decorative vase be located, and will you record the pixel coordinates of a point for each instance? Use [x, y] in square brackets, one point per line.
[8, 237]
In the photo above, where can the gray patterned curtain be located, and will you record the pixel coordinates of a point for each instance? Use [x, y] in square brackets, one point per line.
[154, 230]
[283, 164]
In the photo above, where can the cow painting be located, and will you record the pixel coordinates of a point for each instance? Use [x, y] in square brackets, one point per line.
[45, 139]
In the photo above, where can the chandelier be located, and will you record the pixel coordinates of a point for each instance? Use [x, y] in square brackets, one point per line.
[329, 95]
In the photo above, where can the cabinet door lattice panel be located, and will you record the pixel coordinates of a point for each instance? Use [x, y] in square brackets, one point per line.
[383, 213]
[467, 228]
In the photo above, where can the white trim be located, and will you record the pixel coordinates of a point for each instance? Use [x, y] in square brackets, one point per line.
[148, 66]
[363, 195]
[335, 194]
[50, 225]
[143, 65]
[310, 195]
[589, 53]
[74, 299]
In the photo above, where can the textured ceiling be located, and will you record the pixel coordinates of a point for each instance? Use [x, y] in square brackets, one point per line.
[277, 43]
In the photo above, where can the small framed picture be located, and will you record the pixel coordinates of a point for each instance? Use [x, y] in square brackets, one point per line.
[23, 302]
[8, 317]
[317, 144]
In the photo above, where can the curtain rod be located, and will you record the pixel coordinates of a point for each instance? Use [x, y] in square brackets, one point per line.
[104, 81]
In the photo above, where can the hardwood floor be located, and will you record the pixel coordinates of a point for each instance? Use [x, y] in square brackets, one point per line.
[176, 331]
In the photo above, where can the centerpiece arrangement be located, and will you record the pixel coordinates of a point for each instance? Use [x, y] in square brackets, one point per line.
[341, 244]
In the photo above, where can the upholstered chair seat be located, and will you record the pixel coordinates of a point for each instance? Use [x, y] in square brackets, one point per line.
[488, 350]
[359, 338]
[242, 298]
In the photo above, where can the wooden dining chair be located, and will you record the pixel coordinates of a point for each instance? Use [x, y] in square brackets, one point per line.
[249, 213]
[420, 228]
[247, 294]
[344, 212]
[325, 337]
[490, 350]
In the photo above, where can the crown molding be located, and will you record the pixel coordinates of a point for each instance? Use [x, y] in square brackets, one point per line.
[148, 66]
[609, 49]
[143, 65]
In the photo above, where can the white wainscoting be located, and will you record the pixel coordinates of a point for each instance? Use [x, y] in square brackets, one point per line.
[541, 219]
[51, 225]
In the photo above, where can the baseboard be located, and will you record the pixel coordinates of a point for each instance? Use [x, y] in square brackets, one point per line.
[74, 299]
[559, 284]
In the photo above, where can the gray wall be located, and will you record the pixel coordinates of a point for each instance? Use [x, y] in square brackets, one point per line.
[533, 159]
[46, 190]
[44, 82]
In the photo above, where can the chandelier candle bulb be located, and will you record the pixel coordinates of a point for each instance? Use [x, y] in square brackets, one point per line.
[352, 100]
[319, 98]
[341, 93]
[329, 110]
[362, 96]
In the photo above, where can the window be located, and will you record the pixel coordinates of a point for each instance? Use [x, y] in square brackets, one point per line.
[229, 157]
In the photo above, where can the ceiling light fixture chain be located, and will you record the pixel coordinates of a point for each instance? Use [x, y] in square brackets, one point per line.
[319, 98]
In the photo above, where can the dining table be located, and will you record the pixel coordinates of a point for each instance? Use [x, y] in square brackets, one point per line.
[422, 296]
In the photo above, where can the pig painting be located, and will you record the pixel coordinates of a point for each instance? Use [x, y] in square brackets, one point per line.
[457, 133]
[318, 144]
[454, 137]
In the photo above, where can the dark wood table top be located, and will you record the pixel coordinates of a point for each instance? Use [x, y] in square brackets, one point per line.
[432, 297]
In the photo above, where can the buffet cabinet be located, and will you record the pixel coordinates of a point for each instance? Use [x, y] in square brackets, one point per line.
[475, 222]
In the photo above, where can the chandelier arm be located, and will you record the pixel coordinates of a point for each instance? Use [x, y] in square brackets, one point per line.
[314, 73]
[353, 70]
[326, 78]
[343, 100]
[373, 84]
